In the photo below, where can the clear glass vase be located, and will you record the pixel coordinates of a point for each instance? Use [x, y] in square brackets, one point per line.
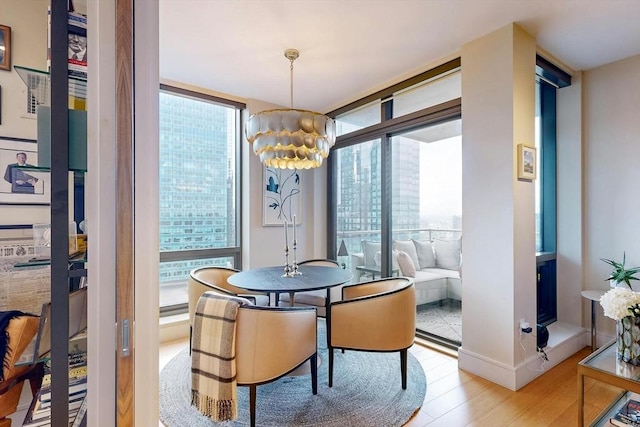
[628, 340]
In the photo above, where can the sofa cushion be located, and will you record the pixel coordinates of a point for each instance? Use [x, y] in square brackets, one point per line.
[369, 250]
[426, 257]
[394, 259]
[427, 276]
[443, 272]
[406, 264]
[447, 253]
[408, 247]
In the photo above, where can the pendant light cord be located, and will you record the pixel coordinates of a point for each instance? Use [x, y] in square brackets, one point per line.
[291, 80]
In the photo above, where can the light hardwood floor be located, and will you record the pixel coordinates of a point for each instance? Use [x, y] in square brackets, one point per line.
[458, 398]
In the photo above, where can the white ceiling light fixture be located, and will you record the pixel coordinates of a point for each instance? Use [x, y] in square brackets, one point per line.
[291, 139]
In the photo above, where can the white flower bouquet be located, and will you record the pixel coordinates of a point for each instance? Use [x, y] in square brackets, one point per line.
[619, 303]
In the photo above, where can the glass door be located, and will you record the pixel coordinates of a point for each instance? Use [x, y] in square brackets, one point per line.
[358, 204]
[427, 224]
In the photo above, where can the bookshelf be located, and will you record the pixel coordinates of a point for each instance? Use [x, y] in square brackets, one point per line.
[58, 133]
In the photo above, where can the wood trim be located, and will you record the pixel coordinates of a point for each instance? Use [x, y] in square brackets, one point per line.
[125, 411]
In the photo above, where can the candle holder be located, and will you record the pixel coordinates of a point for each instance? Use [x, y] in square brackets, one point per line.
[287, 270]
[295, 271]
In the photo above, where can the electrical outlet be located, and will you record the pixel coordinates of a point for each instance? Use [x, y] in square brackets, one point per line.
[525, 327]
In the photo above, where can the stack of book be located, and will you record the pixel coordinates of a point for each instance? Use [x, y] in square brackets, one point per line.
[627, 415]
[39, 413]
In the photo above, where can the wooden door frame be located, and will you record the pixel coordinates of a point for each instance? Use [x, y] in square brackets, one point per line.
[137, 201]
[125, 231]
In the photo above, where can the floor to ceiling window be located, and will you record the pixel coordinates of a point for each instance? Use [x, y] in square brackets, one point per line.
[427, 218]
[358, 195]
[395, 187]
[199, 188]
[548, 79]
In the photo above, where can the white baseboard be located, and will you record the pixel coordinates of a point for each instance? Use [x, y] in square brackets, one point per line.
[564, 341]
[174, 327]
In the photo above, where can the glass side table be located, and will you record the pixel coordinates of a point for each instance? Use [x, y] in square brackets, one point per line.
[603, 365]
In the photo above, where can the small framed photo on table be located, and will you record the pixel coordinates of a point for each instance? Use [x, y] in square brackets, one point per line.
[527, 162]
[5, 48]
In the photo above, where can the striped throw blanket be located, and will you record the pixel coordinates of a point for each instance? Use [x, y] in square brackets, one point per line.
[213, 364]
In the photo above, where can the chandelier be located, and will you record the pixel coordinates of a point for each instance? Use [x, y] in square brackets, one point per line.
[291, 139]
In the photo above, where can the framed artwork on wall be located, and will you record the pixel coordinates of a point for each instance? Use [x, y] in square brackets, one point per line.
[5, 48]
[22, 183]
[282, 198]
[526, 162]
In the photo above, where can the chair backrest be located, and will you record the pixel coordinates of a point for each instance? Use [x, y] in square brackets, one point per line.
[205, 279]
[20, 332]
[320, 262]
[271, 341]
[375, 287]
[385, 313]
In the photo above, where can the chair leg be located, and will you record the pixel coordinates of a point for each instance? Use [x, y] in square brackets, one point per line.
[252, 404]
[314, 373]
[330, 351]
[35, 378]
[403, 367]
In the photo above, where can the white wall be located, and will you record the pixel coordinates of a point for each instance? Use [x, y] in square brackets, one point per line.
[101, 212]
[569, 195]
[498, 210]
[264, 245]
[147, 206]
[611, 100]
[28, 22]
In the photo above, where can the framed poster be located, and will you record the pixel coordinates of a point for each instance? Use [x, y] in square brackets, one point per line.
[5, 48]
[22, 183]
[282, 198]
[526, 162]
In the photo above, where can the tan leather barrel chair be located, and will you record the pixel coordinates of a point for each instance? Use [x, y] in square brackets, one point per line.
[270, 343]
[214, 279]
[20, 332]
[374, 316]
[317, 298]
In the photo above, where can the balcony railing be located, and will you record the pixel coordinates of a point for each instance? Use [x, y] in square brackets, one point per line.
[353, 239]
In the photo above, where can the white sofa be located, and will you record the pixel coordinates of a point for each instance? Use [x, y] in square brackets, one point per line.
[434, 265]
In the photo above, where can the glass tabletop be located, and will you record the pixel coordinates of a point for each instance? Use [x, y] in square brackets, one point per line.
[606, 360]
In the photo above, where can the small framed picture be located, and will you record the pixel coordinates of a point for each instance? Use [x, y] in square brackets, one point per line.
[526, 162]
[5, 48]
[22, 182]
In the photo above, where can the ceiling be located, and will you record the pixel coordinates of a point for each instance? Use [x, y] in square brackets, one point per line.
[350, 48]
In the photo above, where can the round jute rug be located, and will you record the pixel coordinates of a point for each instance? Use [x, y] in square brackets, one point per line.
[367, 391]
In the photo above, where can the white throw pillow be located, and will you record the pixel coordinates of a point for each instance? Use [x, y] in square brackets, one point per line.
[406, 264]
[369, 250]
[447, 253]
[408, 247]
[426, 257]
[394, 265]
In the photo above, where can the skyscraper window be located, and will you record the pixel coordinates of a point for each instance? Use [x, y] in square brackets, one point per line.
[199, 187]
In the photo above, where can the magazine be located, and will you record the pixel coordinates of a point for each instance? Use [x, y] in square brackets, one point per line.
[627, 415]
